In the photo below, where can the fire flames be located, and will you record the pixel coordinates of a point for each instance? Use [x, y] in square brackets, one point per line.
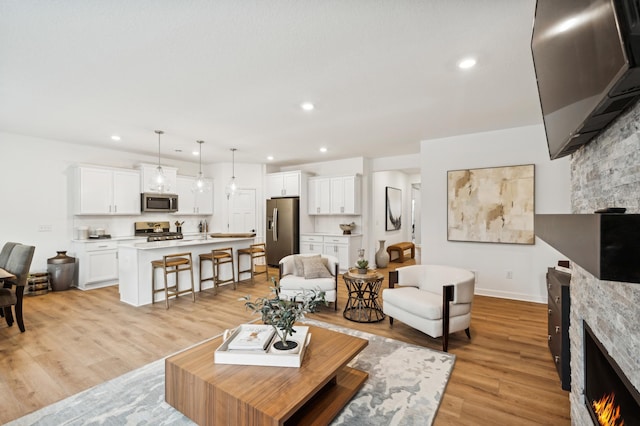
[607, 411]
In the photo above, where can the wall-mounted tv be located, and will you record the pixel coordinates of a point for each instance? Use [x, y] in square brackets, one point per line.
[586, 55]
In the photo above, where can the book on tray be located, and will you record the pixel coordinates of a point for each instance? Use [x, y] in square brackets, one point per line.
[252, 337]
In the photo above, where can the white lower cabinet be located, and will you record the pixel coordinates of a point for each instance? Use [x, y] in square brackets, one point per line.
[97, 263]
[311, 244]
[343, 247]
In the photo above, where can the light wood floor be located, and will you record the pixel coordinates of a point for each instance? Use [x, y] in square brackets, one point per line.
[75, 340]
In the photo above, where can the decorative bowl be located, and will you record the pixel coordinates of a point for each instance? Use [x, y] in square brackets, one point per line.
[347, 227]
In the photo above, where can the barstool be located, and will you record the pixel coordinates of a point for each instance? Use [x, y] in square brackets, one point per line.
[217, 257]
[172, 264]
[255, 251]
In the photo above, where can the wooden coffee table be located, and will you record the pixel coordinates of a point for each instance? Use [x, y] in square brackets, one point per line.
[314, 393]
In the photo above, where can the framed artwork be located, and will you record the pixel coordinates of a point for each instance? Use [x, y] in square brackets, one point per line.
[393, 197]
[491, 205]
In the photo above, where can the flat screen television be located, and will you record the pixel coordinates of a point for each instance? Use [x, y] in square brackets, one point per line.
[586, 55]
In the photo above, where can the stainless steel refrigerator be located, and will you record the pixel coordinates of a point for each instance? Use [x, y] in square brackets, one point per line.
[283, 218]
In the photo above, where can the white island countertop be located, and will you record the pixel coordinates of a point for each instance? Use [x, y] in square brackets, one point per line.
[186, 242]
[134, 265]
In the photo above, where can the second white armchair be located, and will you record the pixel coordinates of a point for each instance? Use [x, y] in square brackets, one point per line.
[434, 299]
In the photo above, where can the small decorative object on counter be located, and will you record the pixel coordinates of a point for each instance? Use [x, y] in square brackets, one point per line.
[179, 226]
[347, 228]
[283, 313]
[382, 257]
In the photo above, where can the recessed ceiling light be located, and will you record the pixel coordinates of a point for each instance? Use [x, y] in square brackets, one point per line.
[196, 153]
[307, 106]
[115, 138]
[467, 63]
[270, 157]
[323, 149]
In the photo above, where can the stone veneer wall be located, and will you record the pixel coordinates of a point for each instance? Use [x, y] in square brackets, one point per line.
[605, 173]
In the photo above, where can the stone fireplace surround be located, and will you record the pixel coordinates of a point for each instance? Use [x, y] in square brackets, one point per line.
[605, 173]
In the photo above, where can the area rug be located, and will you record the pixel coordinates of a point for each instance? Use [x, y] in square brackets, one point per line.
[405, 386]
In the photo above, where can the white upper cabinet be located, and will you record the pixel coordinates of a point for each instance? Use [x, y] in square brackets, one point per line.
[319, 195]
[126, 192]
[191, 201]
[101, 190]
[335, 195]
[148, 176]
[283, 184]
[346, 195]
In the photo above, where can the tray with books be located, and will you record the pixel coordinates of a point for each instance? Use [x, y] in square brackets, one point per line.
[250, 344]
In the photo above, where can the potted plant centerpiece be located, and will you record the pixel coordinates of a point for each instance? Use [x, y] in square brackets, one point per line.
[282, 313]
[363, 266]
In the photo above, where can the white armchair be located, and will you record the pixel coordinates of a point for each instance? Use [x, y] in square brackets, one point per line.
[304, 272]
[434, 299]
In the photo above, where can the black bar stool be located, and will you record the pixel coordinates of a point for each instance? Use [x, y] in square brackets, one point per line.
[172, 264]
[254, 251]
[218, 257]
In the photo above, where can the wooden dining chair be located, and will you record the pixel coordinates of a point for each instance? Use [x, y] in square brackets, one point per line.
[11, 294]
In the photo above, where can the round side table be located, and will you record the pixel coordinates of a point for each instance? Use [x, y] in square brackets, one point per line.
[362, 304]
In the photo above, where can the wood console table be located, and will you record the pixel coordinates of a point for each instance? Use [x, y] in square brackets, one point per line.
[217, 394]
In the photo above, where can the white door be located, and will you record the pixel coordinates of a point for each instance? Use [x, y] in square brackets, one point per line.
[242, 216]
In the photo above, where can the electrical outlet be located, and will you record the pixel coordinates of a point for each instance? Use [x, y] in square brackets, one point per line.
[45, 228]
[509, 275]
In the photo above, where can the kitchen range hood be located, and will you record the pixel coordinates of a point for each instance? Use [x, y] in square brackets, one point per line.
[607, 245]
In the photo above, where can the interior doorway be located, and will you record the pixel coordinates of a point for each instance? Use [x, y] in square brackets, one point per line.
[242, 211]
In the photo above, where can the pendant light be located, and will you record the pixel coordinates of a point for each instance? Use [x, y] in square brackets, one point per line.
[159, 181]
[231, 187]
[200, 185]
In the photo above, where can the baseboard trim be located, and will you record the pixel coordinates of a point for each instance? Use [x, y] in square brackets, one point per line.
[510, 295]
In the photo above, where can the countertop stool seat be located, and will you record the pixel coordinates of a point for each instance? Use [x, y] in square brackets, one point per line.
[172, 264]
[255, 252]
[218, 257]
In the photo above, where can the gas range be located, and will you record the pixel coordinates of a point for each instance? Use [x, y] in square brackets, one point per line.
[164, 236]
[155, 231]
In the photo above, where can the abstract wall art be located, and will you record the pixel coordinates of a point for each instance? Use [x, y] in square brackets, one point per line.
[491, 205]
[393, 197]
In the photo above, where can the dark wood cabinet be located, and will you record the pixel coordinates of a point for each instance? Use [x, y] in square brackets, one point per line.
[559, 303]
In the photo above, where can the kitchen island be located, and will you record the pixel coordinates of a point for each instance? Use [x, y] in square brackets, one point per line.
[134, 265]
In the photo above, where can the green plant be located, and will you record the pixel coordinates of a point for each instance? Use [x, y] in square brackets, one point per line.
[362, 264]
[281, 313]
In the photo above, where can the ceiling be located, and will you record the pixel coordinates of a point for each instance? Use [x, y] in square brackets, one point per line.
[383, 75]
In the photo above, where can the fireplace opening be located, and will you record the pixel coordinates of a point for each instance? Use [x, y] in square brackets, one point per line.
[610, 397]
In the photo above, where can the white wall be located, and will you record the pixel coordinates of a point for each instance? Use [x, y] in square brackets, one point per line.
[35, 184]
[394, 179]
[528, 263]
[347, 166]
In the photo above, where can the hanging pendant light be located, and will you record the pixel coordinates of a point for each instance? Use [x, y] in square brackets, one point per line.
[159, 182]
[200, 184]
[231, 187]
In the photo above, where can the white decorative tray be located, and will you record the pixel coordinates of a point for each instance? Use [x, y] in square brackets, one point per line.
[268, 357]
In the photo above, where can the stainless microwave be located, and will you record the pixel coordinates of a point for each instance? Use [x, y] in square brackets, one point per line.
[150, 202]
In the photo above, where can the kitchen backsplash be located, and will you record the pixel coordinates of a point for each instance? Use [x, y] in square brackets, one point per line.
[331, 224]
[122, 226]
